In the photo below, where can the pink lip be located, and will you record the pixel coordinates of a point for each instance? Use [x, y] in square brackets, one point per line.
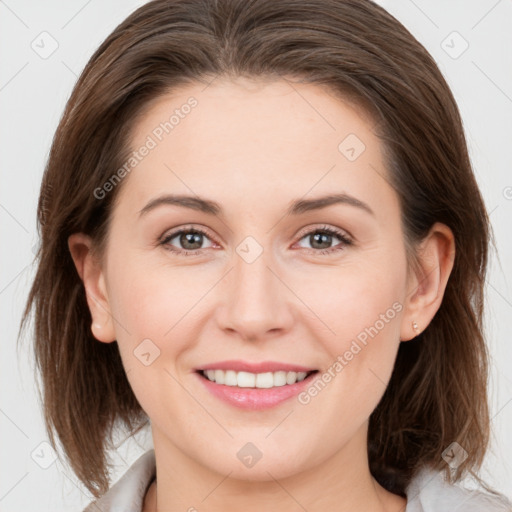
[255, 398]
[263, 367]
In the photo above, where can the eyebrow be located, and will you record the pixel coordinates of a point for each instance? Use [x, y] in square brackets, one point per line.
[297, 207]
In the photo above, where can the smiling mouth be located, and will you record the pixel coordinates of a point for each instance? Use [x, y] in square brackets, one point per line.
[263, 380]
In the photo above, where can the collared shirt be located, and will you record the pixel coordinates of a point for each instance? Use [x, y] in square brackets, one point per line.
[427, 492]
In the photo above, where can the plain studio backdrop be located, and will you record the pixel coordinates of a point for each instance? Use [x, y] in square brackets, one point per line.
[45, 45]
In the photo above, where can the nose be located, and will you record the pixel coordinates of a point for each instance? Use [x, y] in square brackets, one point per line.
[257, 303]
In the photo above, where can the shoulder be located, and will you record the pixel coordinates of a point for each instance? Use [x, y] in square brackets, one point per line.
[129, 491]
[429, 491]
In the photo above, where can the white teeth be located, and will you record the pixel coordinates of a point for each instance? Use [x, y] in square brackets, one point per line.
[254, 380]
[219, 376]
[245, 380]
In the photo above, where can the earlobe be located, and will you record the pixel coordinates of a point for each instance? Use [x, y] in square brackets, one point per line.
[92, 276]
[436, 256]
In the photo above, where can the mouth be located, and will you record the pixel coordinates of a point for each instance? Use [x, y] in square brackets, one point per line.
[263, 380]
[255, 391]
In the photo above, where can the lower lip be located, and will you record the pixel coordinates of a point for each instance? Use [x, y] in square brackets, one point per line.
[255, 398]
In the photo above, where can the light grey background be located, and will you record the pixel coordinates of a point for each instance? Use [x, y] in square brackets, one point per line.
[34, 87]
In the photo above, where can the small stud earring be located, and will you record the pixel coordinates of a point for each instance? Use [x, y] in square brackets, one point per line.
[96, 325]
[415, 326]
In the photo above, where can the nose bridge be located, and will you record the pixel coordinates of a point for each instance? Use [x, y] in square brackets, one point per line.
[252, 280]
[256, 302]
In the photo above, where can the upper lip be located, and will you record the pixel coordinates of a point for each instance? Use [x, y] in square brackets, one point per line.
[262, 367]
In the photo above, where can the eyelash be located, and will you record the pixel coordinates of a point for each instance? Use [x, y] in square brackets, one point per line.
[325, 230]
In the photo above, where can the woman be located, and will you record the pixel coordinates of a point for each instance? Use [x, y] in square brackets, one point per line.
[277, 374]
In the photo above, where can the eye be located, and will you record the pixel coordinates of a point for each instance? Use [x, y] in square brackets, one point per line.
[190, 239]
[323, 237]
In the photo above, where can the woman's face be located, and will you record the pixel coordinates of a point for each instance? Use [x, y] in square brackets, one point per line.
[265, 282]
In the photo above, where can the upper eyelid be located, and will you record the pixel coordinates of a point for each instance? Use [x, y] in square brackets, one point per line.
[169, 234]
[324, 227]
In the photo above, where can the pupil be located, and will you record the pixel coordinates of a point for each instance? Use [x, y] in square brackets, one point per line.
[191, 238]
[318, 238]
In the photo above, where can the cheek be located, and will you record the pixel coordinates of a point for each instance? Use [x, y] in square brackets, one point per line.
[158, 310]
[153, 331]
[360, 309]
[146, 304]
[148, 295]
[351, 298]
[365, 319]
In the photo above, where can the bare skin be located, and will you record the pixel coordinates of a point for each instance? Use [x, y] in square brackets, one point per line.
[254, 148]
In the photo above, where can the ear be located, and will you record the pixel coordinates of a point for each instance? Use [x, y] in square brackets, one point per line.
[92, 275]
[426, 286]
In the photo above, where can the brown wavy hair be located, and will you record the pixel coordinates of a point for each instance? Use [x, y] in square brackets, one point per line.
[438, 390]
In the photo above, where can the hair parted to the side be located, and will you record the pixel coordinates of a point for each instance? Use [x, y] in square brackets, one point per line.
[438, 389]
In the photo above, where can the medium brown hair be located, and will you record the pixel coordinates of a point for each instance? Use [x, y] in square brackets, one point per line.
[438, 390]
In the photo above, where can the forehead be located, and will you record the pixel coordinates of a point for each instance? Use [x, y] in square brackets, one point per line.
[255, 141]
